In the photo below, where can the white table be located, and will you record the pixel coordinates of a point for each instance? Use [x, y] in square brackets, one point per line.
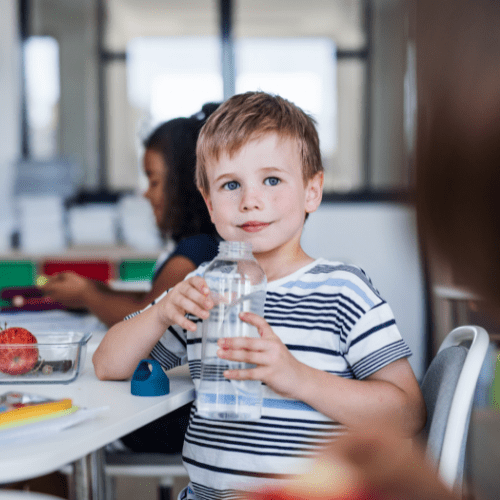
[82, 444]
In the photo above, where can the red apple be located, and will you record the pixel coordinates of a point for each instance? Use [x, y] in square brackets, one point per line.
[19, 358]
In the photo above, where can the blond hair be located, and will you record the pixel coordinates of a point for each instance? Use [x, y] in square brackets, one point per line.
[249, 116]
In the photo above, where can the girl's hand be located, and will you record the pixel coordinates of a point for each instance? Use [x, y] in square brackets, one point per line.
[276, 366]
[68, 288]
[191, 296]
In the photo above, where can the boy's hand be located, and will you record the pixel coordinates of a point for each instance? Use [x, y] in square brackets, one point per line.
[191, 296]
[276, 366]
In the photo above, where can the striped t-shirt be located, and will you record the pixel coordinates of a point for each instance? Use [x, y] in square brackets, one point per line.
[330, 317]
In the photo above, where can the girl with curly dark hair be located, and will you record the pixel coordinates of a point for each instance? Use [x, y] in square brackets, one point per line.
[181, 215]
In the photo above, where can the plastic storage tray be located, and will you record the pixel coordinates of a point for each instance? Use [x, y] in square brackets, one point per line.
[99, 270]
[16, 273]
[137, 270]
[61, 355]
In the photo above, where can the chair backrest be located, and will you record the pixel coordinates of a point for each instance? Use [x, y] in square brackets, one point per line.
[448, 388]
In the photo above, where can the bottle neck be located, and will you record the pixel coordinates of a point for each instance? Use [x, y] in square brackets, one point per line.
[235, 250]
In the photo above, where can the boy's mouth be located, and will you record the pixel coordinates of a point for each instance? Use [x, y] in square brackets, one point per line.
[254, 226]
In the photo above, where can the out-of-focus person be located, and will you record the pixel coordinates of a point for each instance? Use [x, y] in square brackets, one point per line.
[169, 162]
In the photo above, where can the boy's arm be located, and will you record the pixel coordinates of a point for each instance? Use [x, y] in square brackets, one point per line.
[126, 343]
[390, 395]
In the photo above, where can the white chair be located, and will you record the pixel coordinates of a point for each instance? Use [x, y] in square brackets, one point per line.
[448, 388]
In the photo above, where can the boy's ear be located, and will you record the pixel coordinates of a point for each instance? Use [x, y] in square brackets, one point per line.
[208, 203]
[314, 192]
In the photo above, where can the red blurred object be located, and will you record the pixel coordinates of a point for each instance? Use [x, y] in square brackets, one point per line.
[281, 494]
[99, 270]
[16, 358]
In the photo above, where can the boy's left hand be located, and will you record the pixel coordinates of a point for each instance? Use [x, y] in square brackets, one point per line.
[276, 366]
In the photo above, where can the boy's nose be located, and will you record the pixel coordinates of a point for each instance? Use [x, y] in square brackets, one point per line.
[251, 199]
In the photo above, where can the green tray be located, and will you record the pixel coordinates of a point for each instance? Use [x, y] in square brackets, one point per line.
[137, 270]
[16, 273]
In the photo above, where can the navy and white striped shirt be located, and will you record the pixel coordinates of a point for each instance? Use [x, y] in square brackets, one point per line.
[330, 317]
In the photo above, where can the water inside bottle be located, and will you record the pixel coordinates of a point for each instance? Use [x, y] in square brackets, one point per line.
[237, 284]
[220, 398]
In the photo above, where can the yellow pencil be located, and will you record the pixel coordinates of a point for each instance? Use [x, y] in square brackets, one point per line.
[35, 410]
[32, 420]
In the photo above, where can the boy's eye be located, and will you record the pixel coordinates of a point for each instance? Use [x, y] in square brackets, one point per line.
[231, 185]
[272, 181]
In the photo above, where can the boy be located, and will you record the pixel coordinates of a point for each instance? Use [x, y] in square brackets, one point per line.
[330, 354]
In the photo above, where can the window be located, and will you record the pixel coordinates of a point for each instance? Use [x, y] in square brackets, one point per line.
[171, 77]
[41, 59]
[338, 29]
[337, 59]
[303, 70]
[106, 105]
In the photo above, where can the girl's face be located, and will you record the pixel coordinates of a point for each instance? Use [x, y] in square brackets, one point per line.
[156, 172]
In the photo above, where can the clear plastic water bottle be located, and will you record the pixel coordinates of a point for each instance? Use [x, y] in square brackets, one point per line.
[237, 284]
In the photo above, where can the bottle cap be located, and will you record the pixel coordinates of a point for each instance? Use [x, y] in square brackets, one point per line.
[149, 379]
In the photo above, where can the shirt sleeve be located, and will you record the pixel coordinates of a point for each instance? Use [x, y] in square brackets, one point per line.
[374, 341]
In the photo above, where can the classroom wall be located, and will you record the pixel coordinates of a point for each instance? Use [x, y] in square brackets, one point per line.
[381, 238]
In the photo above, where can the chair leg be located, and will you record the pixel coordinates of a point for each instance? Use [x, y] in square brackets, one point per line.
[110, 488]
[165, 488]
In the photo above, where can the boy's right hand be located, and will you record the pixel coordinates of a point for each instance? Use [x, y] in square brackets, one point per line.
[191, 296]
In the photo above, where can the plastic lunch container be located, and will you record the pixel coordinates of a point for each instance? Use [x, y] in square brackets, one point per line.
[60, 358]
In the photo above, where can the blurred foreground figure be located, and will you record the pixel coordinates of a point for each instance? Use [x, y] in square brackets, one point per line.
[367, 466]
[458, 140]
[458, 209]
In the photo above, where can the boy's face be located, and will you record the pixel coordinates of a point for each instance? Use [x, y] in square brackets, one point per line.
[259, 195]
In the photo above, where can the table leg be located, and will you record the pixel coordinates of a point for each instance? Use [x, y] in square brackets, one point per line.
[87, 481]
